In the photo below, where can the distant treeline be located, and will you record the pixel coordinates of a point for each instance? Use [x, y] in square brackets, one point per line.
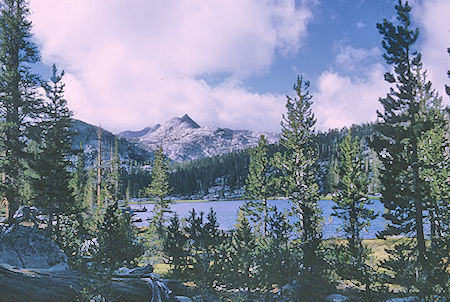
[230, 170]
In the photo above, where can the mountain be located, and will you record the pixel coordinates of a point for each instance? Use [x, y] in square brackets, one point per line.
[134, 134]
[183, 139]
[86, 134]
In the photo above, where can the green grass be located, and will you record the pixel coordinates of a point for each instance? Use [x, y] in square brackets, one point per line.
[161, 269]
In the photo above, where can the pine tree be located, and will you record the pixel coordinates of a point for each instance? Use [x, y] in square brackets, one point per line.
[159, 187]
[204, 240]
[112, 182]
[99, 169]
[403, 126]
[276, 261]
[298, 182]
[118, 244]
[52, 163]
[242, 254]
[435, 168]
[19, 105]
[175, 247]
[259, 185]
[447, 87]
[352, 207]
[80, 178]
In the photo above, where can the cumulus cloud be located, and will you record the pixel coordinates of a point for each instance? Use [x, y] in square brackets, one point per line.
[131, 64]
[349, 93]
[435, 30]
[352, 59]
[342, 100]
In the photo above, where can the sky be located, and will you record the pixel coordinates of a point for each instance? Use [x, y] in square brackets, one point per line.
[130, 64]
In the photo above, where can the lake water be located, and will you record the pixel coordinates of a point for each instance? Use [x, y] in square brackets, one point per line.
[226, 212]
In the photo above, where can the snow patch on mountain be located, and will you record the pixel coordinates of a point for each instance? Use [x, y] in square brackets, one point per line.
[183, 139]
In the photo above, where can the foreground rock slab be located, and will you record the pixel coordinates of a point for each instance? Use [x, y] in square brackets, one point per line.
[27, 247]
[46, 285]
[33, 268]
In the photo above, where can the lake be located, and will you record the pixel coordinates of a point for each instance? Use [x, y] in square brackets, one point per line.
[227, 213]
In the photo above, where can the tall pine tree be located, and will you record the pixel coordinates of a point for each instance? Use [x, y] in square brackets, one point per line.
[352, 207]
[159, 187]
[299, 168]
[113, 181]
[19, 105]
[80, 178]
[259, 185]
[52, 163]
[403, 128]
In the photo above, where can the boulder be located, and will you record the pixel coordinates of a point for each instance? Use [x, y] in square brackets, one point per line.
[210, 297]
[33, 268]
[404, 299]
[182, 299]
[41, 285]
[178, 289]
[138, 272]
[26, 247]
[337, 298]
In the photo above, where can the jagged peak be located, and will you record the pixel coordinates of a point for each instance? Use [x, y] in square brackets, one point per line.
[187, 119]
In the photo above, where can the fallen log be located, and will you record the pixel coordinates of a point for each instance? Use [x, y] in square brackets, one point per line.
[46, 285]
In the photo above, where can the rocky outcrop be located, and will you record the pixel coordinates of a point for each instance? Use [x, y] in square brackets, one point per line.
[33, 268]
[26, 247]
[47, 285]
[337, 298]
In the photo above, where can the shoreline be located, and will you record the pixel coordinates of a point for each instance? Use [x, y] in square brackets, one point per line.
[327, 197]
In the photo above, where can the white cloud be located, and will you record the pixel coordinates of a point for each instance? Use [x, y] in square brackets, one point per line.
[134, 63]
[352, 59]
[343, 101]
[350, 95]
[359, 24]
[434, 20]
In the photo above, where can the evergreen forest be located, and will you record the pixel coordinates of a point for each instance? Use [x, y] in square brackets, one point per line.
[269, 255]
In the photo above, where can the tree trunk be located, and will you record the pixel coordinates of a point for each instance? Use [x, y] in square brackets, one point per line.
[45, 285]
[421, 248]
[12, 205]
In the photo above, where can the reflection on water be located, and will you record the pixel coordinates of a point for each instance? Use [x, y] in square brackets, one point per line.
[227, 213]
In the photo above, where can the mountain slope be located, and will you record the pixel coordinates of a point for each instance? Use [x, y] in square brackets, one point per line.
[183, 139]
[86, 134]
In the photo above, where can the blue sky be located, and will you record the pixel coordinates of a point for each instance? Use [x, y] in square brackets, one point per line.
[132, 64]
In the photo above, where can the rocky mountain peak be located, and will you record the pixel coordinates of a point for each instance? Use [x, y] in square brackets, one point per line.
[184, 122]
[187, 120]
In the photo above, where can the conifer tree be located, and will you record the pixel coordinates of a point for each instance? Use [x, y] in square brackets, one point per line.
[99, 169]
[80, 178]
[19, 105]
[259, 185]
[435, 167]
[275, 257]
[52, 163]
[159, 187]
[298, 182]
[175, 246]
[447, 87]
[403, 126]
[242, 254]
[118, 244]
[113, 181]
[352, 207]
[204, 239]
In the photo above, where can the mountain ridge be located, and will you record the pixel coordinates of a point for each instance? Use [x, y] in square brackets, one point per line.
[183, 139]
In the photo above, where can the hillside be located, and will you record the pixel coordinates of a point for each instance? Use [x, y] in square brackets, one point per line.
[86, 135]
